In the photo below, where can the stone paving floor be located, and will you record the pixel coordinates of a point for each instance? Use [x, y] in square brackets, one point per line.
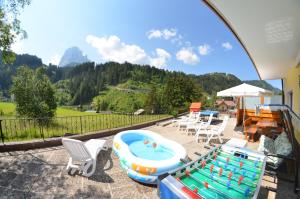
[41, 173]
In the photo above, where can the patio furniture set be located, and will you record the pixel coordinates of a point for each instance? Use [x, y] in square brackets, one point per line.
[253, 130]
[201, 124]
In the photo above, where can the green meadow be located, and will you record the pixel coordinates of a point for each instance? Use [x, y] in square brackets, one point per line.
[67, 121]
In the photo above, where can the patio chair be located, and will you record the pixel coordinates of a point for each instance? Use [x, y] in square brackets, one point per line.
[184, 124]
[184, 118]
[199, 125]
[215, 131]
[83, 155]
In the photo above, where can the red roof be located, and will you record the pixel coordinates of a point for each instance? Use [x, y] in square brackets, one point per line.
[195, 105]
[227, 102]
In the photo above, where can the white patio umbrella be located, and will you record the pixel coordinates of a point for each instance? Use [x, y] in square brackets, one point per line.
[244, 90]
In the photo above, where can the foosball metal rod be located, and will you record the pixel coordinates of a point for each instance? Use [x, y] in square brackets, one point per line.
[228, 169]
[251, 183]
[237, 162]
[252, 161]
[211, 187]
[219, 179]
[208, 158]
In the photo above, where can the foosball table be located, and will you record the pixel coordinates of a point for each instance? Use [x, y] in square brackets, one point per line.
[224, 172]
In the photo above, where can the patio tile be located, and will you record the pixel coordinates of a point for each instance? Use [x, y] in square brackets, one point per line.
[22, 182]
[126, 192]
[47, 184]
[34, 195]
[58, 159]
[53, 170]
[141, 188]
[94, 191]
[5, 161]
[121, 180]
[6, 178]
[13, 194]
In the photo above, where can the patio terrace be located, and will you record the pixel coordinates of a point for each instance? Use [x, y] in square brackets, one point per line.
[41, 173]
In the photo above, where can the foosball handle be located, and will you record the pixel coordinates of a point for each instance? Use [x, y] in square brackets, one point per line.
[199, 154]
[184, 161]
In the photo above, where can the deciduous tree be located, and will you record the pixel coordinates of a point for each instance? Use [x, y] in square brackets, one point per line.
[34, 93]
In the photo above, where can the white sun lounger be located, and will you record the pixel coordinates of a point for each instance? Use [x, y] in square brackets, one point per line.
[83, 155]
[184, 124]
[183, 119]
[216, 131]
[196, 126]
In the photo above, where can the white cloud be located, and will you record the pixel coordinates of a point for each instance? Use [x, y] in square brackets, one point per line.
[165, 34]
[54, 60]
[187, 56]
[204, 49]
[227, 45]
[111, 48]
[161, 59]
[178, 40]
[17, 46]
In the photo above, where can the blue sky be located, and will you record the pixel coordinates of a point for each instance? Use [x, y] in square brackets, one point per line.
[171, 34]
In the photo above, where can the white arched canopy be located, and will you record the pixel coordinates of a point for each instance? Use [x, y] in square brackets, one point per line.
[269, 30]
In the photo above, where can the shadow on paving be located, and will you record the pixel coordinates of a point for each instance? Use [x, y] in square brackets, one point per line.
[29, 176]
[103, 159]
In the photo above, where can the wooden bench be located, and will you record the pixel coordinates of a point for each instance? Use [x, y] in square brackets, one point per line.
[250, 130]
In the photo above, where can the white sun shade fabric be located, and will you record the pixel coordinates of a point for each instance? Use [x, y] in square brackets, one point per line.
[244, 90]
[269, 30]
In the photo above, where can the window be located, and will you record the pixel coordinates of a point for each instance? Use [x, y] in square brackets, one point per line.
[290, 99]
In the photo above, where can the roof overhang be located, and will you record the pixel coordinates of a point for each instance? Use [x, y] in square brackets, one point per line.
[268, 30]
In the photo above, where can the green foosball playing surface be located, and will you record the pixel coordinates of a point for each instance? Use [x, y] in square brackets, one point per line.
[223, 175]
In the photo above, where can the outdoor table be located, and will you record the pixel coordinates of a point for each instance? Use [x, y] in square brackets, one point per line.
[206, 113]
[264, 126]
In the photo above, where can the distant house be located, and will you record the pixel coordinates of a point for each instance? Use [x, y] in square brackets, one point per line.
[225, 105]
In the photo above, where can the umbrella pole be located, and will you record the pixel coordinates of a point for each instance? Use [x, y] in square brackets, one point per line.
[244, 107]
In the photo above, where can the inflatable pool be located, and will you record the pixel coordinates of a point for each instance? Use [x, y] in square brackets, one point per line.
[145, 155]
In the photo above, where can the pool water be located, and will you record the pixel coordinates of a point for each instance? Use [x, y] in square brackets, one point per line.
[147, 151]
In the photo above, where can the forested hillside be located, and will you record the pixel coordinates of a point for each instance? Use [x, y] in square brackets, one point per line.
[7, 71]
[79, 84]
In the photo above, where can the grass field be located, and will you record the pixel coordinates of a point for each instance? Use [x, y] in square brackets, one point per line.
[8, 109]
[68, 121]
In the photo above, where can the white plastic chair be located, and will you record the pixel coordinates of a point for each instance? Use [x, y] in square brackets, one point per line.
[216, 131]
[84, 154]
[193, 120]
[199, 125]
[183, 118]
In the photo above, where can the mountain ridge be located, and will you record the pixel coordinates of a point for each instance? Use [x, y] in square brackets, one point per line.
[72, 56]
[88, 79]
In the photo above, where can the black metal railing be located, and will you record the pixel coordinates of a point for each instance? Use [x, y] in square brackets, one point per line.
[17, 129]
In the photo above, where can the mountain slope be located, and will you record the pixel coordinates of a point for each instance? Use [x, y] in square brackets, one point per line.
[88, 79]
[263, 84]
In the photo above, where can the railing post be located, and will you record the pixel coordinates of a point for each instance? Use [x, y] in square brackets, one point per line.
[2, 136]
[81, 124]
[42, 132]
[131, 115]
